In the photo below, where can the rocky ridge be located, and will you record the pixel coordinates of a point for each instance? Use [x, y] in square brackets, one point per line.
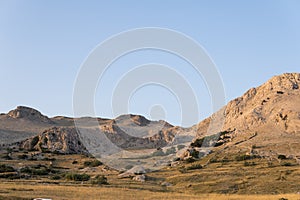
[267, 117]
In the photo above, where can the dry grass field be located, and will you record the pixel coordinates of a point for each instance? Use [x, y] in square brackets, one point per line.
[18, 190]
[214, 177]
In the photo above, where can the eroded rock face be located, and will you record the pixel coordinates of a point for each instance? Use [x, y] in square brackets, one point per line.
[22, 112]
[267, 116]
[275, 103]
[61, 140]
[138, 134]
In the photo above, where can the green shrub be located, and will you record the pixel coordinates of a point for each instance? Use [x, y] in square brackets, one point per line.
[195, 154]
[182, 170]
[93, 163]
[190, 160]
[6, 168]
[245, 157]
[287, 164]
[77, 177]
[100, 180]
[282, 157]
[39, 170]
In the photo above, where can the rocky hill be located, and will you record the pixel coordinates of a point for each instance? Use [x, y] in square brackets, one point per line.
[56, 140]
[265, 120]
[35, 131]
[22, 112]
[266, 117]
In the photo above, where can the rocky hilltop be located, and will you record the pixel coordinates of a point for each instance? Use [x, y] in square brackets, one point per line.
[22, 112]
[266, 117]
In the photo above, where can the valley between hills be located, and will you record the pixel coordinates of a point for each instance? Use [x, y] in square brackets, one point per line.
[252, 151]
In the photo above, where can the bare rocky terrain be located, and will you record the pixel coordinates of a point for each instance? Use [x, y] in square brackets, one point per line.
[265, 120]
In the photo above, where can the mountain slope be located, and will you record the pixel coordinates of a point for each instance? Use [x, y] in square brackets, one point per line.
[266, 117]
[24, 125]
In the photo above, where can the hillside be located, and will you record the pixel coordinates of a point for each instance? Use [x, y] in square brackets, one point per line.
[25, 125]
[264, 121]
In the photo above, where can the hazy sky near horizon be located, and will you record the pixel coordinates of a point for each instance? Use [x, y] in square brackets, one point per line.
[44, 43]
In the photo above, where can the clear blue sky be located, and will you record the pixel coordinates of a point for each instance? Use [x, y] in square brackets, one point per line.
[43, 44]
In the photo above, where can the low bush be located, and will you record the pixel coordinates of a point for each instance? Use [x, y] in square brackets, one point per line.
[182, 170]
[6, 168]
[100, 180]
[93, 163]
[75, 162]
[194, 166]
[39, 170]
[287, 164]
[282, 157]
[190, 160]
[33, 171]
[7, 157]
[77, 177]
[22, 157]
[245, 157]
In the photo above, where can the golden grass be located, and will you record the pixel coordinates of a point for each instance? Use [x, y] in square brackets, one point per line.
[28, 191]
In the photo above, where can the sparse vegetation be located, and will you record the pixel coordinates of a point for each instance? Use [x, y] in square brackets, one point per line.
[194, 166]
[190, 160]
[7, 157]
[287, 164]
[282, 157]
[92, 163]
[6, 168]
[77, 177]
[99, 180]
[38, 170]
[208, 141]
[245, 157]
[247, 164]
